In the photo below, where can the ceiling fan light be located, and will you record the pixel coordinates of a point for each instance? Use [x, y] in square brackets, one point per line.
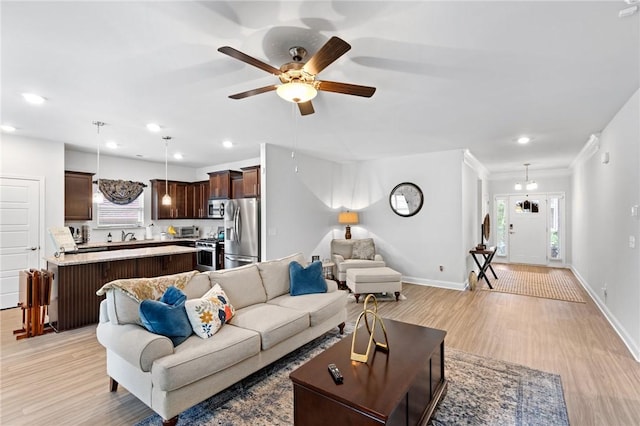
[296, 92]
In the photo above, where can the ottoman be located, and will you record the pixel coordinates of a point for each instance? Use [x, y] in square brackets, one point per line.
[374, 280]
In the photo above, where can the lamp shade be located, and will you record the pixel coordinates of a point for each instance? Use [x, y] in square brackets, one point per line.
[348, 218]
[296, 92]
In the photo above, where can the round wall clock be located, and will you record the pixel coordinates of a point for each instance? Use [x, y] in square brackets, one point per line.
[406, 199]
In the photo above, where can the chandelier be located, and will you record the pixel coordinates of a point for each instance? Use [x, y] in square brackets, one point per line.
[529, 185]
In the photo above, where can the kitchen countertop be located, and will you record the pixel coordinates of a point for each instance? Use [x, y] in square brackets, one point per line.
[133, 243]
[109, 256]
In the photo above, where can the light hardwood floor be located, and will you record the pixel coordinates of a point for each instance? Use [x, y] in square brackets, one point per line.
[60, 379]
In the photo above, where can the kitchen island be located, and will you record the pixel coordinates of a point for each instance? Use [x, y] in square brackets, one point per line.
[77, 277]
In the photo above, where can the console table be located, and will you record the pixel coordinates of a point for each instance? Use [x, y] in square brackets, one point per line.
[487, 256]
[401, 387]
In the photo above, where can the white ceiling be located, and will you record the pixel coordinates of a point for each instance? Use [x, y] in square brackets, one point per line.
[449, 75]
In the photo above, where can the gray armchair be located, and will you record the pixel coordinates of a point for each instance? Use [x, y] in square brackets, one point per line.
[347, 254]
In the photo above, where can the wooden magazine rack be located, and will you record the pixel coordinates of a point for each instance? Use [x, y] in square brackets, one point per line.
[35, 296]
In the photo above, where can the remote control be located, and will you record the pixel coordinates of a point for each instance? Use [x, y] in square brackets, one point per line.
[335, 373]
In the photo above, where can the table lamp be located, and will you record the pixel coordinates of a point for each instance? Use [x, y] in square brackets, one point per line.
[348, 218]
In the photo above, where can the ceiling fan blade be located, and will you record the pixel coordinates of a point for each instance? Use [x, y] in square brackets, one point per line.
[306, 108]
[254, 92]
[328, 53]
[236, 54]
[346, 88]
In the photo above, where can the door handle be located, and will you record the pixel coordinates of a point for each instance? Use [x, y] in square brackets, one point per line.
[31, 248]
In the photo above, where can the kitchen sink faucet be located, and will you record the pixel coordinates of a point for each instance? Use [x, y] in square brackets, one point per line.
[128, 234]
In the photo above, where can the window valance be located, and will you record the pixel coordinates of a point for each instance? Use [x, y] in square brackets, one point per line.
[120, 191]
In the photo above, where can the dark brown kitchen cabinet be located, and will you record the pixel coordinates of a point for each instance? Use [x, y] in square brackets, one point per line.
[78, 194]
[178, 193]
[251, 181]
[220, 183]
[200, 194]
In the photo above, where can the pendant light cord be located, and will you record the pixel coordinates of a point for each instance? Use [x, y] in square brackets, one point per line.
[98, 124]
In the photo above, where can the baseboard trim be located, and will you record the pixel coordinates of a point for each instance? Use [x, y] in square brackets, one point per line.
[615, 324]
[450, 285]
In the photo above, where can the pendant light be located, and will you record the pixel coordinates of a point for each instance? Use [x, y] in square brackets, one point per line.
[98, 198]
[530, 185]
[166, 199]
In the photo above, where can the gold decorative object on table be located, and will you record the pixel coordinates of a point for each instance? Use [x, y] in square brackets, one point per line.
[384, 347]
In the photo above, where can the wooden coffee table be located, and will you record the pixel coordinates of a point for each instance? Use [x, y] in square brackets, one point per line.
[401, 387]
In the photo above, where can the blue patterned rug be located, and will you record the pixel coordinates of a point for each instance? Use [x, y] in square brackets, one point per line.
[481, 391]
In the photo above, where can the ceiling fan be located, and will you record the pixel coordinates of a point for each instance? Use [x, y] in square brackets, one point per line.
[299, 82]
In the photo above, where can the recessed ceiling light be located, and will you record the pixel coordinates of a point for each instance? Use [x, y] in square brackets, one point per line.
[177, 156]
[8, 128]
[32, 98]
[112, 145]
[524, 139]
[153, 127]
[227, 144]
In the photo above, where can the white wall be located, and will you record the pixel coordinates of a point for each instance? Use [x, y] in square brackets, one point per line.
[602, 223]
[417, 245]
[36, 158]
[471, 215]
[300, 210]
[297, 207]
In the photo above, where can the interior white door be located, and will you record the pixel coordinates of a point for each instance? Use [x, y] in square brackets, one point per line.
[19, 234]
[528, 229]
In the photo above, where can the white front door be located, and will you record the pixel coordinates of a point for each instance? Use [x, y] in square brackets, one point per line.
[19, 234]
[528, 229]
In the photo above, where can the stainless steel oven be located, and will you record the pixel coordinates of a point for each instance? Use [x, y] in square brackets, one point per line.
[206, 254]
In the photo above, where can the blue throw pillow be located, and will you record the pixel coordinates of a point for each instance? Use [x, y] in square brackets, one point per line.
[167, 316]
[306, 280]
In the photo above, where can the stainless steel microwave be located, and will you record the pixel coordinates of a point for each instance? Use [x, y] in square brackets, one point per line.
[216, 209]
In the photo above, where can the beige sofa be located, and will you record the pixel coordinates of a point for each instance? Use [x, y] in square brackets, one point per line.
[350, 254]
[268, 324]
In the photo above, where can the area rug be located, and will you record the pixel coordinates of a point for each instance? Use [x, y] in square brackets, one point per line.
[536, 281]
[481, 391]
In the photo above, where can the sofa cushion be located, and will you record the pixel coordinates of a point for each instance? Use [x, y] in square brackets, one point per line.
[274, 323]
[197, 358]
[320, 307]
[242, 285]
[275, 274]
[357, 263]
[123, 309]
[307, 280]
[208, 313]
[363, 249]
[167, 316]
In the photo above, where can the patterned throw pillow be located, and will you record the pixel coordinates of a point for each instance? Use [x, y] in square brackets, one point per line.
[364, 249]
[210, 312]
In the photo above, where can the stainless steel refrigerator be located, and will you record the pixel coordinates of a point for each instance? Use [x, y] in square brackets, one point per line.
[241, 232]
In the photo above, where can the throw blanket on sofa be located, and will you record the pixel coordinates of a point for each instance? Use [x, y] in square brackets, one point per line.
[148, 288]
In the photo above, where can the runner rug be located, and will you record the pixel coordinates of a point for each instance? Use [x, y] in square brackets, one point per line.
[481, 391]
[537, 281]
